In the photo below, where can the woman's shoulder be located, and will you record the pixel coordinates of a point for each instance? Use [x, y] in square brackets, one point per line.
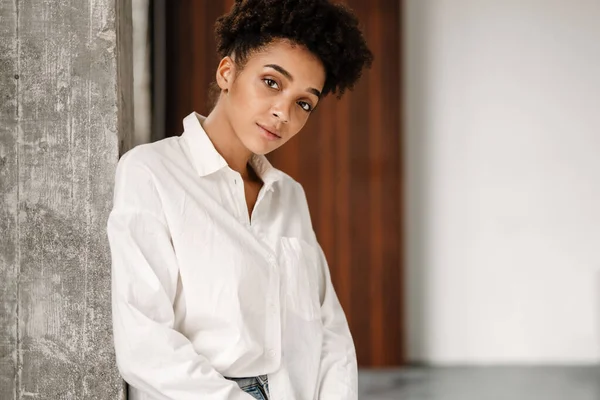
[290, 186]
[152, 155]
[292, 194]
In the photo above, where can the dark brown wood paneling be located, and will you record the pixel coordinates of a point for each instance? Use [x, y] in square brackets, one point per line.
[348, 159]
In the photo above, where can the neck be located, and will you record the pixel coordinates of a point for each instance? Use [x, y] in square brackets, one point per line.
[221, 133]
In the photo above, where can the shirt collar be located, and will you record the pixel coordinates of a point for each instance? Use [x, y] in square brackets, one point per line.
[266, 172]
[207, 159]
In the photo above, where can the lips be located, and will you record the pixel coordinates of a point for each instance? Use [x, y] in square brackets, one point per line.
[270, 130]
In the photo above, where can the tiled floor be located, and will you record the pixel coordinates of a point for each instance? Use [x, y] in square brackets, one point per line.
[481, 383]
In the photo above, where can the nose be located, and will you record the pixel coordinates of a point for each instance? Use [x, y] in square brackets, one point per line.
[281, 112]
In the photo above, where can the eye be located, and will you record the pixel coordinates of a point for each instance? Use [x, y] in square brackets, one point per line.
[271, 83]
[305, 106]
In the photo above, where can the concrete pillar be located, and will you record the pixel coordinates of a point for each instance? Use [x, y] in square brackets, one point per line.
[65, 114]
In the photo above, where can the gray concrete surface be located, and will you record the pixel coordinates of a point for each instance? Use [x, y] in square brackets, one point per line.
[65, 109]
[481, 383]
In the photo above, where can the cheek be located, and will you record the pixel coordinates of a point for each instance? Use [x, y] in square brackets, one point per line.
[243, 92]
[297, 126]
[254, 99]
[300, 120]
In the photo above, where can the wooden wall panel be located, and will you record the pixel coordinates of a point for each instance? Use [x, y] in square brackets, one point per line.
[348, 158]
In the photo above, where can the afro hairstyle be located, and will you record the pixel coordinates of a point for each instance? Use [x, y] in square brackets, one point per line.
[328, 30]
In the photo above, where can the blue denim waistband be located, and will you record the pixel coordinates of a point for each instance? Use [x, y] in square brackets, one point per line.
[257, 387]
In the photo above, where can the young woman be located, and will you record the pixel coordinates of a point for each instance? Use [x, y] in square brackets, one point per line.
[219, 287]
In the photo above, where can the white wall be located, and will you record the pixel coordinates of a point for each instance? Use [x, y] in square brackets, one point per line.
[503, 148]
[141, 73]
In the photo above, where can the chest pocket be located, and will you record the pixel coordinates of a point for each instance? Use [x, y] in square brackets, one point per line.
[301, 278]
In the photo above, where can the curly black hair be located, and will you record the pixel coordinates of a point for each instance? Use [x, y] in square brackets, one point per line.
[330, 31]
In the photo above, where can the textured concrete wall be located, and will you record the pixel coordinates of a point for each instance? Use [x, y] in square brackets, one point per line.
[65, 112]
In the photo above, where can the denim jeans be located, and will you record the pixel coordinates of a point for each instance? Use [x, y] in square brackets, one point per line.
[257, 387]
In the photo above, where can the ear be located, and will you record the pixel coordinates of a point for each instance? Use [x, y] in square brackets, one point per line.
[225, 73]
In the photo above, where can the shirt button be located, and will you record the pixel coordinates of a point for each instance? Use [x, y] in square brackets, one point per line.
[271, 353]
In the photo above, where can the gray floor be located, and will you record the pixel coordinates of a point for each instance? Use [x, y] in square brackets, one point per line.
[481, 383]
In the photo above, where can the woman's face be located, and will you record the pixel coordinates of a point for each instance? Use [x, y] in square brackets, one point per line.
[271, 98]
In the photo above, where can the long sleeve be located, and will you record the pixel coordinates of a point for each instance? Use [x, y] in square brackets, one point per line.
[151, 355]
[338, 375]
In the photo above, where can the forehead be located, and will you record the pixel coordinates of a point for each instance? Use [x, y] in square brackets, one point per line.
[305, 67]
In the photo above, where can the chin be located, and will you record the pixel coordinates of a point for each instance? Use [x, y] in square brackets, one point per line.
[264, 150]
[258, 147]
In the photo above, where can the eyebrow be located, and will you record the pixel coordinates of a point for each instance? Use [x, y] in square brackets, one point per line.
[285, 73]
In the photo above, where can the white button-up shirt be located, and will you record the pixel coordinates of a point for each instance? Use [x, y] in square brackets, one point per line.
[200, 291]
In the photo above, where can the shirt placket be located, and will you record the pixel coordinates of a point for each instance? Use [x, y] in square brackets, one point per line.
[239, 197]
[272, 344]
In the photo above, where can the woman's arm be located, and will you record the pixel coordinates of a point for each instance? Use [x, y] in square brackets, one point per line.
[338, 372]
[151, 355]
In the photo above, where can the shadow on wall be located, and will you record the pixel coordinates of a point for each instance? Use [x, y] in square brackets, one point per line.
[597, 313]
[416, 26]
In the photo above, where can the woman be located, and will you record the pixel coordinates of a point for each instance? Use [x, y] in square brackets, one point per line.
[219, 287]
